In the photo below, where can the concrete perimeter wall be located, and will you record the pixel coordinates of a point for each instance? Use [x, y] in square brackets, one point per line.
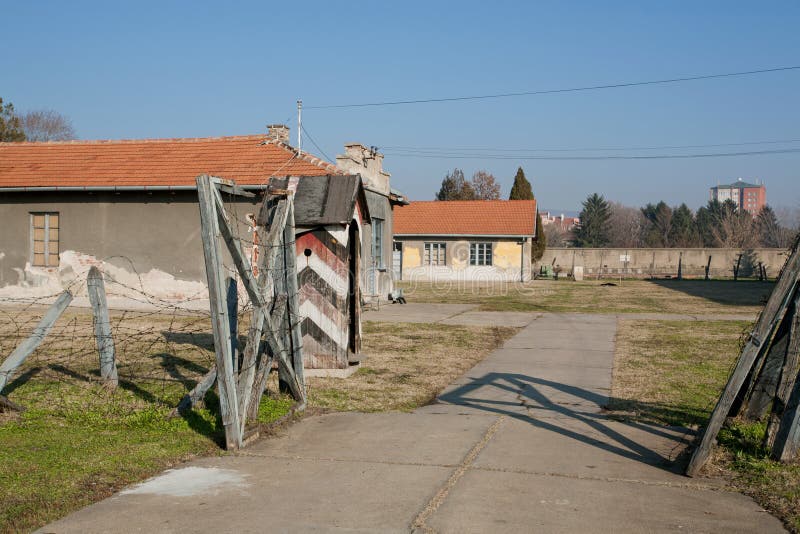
[662, 262]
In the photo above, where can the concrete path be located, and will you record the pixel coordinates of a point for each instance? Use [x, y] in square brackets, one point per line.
[517, 444]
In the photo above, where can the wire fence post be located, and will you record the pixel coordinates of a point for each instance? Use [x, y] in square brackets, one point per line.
[102, 326]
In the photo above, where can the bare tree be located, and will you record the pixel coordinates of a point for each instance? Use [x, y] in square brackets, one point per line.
[47, 125]
[735, 229]
[485, 186]
[556, 235]
[625, 226]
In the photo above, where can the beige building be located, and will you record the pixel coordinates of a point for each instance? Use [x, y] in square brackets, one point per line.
[474, 240]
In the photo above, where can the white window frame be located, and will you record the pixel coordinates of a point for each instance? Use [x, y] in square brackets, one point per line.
[435, 254]
[480, 254]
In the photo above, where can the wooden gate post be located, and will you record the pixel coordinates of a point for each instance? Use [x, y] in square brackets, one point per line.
[102, 326]
[209, 229]
[293, 302]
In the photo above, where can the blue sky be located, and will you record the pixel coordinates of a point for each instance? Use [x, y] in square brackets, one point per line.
[187, 69]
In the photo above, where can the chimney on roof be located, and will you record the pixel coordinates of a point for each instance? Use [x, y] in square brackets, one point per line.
[279, 132]
[368, 162]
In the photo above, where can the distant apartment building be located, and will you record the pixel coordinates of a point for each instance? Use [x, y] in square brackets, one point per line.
[747, 196]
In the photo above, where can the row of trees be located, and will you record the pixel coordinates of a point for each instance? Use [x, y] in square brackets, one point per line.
[658, 225]
[484, 186]
[39, 125]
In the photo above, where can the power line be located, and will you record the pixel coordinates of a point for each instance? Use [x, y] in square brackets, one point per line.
[437, 150]
[327, 157]
[596, 158]
[552, 91]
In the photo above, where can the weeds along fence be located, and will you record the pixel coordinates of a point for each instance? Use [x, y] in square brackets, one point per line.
[71, 351]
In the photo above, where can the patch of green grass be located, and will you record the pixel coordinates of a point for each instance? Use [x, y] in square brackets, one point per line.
[77, 441]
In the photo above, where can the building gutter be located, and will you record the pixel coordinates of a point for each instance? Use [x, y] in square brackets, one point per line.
[394, 196]
[117, 189]
[510, 236]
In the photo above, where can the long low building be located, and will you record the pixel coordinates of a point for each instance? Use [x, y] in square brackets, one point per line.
[475, 240]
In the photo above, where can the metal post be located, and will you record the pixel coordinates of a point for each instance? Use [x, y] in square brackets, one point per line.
[299, 124]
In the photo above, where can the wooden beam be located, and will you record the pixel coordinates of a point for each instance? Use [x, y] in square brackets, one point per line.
[247, 375]
[102, 326]
[12, 363]
[235, 190]
[787, 439]
[232, 303]
[293, 302]
[767, 322]
[765, 386]
[197, 393]
[787, 375]
[210, 231]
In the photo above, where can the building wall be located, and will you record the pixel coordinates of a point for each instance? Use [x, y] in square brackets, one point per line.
[510, 261]
[646, 262]
[156, 236]
[753, 198]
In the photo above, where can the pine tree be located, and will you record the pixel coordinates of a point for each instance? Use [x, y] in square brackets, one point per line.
[539, 243]
[521, 190]
[683, 232]
[455, 187]
[770, 232]
[593, 229]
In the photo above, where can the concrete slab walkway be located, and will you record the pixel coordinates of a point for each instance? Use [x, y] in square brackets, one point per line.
[517, 444]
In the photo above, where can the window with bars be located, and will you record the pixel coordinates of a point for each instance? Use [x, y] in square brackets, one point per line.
[44, 239]
[480, 253]
[435, 254]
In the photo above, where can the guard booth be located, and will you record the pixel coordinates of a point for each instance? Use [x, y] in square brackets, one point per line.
[330, 214]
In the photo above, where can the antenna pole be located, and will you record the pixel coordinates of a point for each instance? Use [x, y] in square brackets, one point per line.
[299, 124]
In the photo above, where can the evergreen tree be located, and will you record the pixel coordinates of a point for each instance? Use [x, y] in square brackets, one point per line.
[683, 232]
[451, 187]
[770, 232]
[10, 124]
[707, 221]
[539, 243]
[521, 190]
[659, 219]
[593, 229]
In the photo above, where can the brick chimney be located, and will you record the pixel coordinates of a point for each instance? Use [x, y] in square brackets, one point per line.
[368, 162]
[279, 132]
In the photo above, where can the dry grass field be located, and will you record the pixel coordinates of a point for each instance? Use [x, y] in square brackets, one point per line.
[696, 297]
[407, 365]
[671, 373]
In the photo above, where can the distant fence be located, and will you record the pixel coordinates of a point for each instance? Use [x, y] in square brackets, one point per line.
[664, 262]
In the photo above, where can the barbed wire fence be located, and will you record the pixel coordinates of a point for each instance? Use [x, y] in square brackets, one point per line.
[167, 353]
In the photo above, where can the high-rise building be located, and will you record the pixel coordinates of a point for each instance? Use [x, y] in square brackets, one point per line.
[747, 196]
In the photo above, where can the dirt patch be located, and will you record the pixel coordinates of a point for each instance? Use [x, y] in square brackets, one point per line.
[407, 365]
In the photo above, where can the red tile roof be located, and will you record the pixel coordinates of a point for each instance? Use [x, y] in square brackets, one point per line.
[249, 160]
[466, 217]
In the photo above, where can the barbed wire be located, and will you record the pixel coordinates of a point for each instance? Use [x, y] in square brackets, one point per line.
[163, 346]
